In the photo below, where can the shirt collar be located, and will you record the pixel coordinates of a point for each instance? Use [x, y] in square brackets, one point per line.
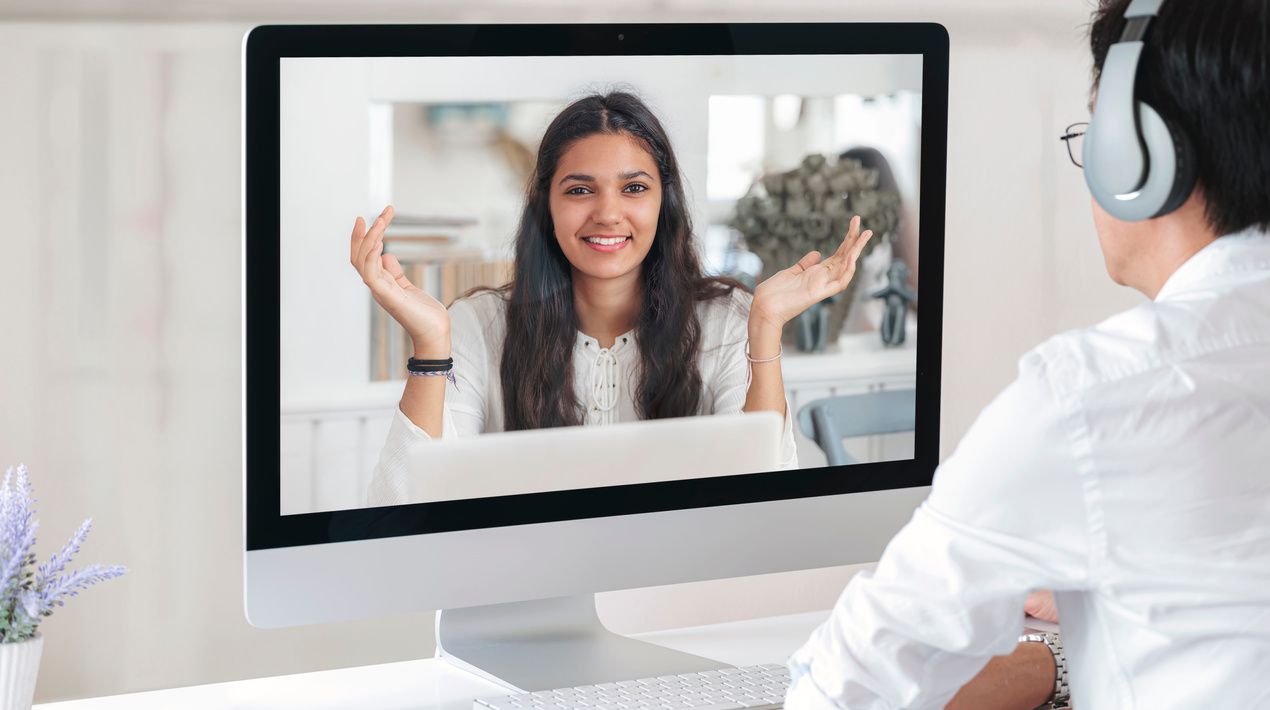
[1226, 256]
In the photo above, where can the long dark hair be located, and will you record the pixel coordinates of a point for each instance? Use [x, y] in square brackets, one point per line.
[537, 363]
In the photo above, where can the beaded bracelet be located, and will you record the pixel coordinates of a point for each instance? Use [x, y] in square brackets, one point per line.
[447, 374]
[749, 368]
[780, 350]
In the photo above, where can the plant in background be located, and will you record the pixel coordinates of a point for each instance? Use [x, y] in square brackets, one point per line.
[785, 215]
[28, 594]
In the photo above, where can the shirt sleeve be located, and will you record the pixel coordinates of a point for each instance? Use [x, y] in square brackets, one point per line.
[389, 484]
[463, 413]
[1006, 516]
[471, 330]
[732, 381]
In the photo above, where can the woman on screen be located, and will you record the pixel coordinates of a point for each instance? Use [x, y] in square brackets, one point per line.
[608, 318]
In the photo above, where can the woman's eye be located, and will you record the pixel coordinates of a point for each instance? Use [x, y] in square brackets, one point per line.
[579, 190]
[637, 188]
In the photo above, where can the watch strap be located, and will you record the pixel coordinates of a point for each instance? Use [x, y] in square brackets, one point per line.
[1061, 699]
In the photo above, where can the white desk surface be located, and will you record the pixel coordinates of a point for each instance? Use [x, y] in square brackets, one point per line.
[431, 684]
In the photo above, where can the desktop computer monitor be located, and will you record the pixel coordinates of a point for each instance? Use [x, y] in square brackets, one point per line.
[780, 134]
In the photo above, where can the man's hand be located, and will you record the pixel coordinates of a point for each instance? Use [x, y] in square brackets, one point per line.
[1041, 605]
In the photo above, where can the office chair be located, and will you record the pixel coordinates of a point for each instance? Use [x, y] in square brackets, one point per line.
[829, 420]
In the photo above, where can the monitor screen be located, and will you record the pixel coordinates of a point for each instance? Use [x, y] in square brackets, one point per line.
[779, 136]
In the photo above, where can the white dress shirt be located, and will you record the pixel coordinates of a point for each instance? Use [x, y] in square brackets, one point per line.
[605, 381]
[1128, 469]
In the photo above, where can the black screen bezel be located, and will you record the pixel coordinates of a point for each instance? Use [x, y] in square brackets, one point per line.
[267, 528]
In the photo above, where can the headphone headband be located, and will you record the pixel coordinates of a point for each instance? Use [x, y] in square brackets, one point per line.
[1143, 8]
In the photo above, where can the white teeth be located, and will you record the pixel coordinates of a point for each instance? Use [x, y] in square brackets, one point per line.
[607, 241]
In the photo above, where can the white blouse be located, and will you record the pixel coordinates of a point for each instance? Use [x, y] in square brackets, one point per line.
[605, 380]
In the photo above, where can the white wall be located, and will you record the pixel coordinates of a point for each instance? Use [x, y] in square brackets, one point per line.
[119, 371]
[325, 146]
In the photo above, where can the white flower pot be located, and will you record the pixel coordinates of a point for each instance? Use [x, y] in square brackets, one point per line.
[19, 667]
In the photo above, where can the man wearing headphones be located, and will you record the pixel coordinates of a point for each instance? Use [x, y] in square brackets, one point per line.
[1128, 466]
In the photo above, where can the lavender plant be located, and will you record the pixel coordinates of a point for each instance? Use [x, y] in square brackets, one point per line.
[28, 594]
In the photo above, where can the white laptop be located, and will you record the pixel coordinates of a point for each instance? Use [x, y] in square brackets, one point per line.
[569, 458]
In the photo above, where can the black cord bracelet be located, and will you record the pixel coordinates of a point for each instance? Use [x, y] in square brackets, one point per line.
[418, 365]
[419, 361]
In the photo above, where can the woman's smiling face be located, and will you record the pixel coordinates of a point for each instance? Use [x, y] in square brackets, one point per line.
[605, 200]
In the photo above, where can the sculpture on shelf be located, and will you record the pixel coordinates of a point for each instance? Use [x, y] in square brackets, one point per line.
[785, 215]
[897, 295]
[813, 326]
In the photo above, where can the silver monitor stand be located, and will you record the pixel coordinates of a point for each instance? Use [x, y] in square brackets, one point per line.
[552, 643]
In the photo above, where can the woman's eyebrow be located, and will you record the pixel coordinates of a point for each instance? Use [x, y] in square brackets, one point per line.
[579, 177]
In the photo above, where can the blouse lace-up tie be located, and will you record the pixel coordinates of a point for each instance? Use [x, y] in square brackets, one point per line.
[604, 386]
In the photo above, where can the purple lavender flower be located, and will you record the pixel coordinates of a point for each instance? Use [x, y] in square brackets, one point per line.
[27, 596]
[61, 559]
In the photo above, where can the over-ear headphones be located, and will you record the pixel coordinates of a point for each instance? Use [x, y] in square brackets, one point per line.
[1138, 165]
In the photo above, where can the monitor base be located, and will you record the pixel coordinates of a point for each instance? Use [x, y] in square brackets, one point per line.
[552, 643]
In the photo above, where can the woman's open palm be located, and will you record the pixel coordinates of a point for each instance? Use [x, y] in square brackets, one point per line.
[423, 317]
[787, 293]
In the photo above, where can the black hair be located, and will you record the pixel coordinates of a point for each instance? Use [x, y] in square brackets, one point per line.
[1205, 68]
[537, 364]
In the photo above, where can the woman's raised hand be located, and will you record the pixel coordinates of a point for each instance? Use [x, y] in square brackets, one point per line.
[423, 317]
[787, 293]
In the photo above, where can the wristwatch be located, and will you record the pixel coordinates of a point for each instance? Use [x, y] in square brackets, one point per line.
[1061, 700]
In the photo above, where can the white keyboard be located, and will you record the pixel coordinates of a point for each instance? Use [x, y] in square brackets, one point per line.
[752, 688]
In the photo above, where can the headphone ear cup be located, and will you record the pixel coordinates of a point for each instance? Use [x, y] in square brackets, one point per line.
[1186, 170]
[1170, 169]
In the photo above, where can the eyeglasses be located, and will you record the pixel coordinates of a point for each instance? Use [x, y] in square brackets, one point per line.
[1075, 140]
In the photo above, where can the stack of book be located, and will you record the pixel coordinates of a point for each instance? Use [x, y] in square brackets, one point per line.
[434, 257]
